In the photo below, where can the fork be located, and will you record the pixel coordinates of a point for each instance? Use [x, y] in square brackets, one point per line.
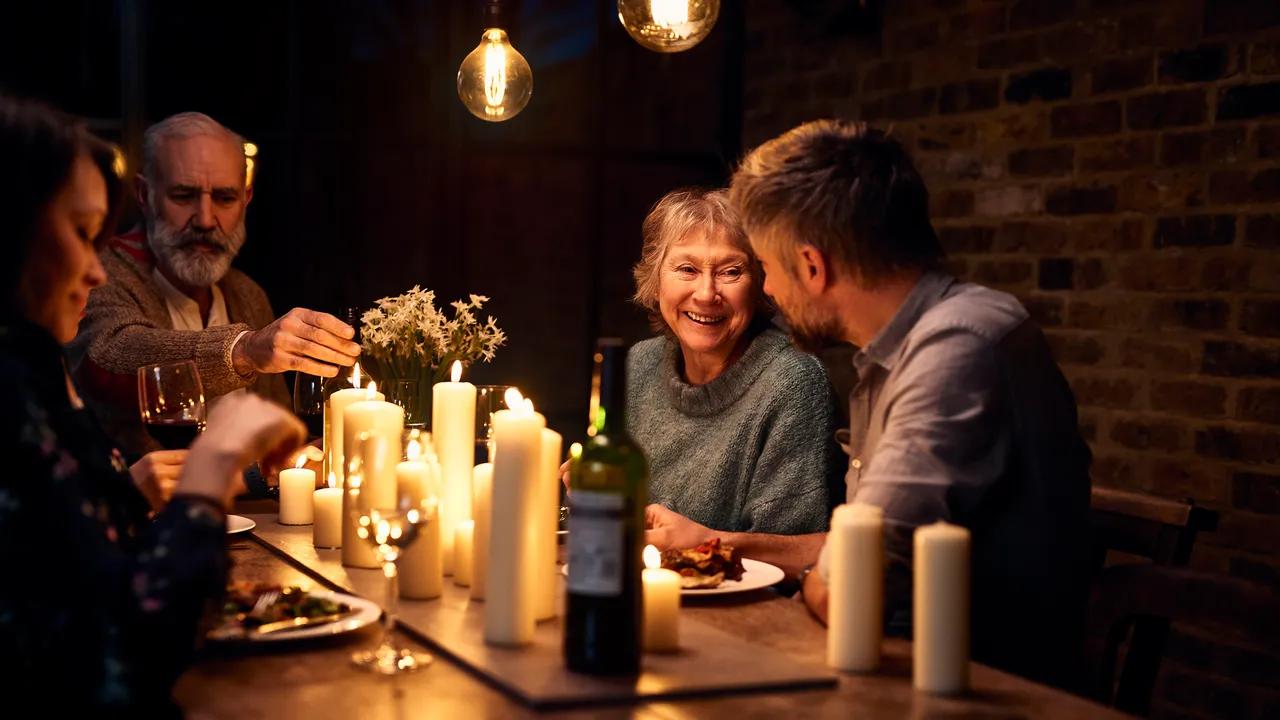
[263, 604]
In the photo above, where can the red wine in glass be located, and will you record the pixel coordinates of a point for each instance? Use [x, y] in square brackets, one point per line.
[174, 434]
[171, 402]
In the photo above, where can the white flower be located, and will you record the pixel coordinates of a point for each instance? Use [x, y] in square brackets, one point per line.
[407, 332]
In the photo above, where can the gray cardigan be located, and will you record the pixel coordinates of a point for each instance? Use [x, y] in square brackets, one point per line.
[750, 451]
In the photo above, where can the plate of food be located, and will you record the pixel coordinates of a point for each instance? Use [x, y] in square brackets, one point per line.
[713, 568]
[237, 524]
[271, 613]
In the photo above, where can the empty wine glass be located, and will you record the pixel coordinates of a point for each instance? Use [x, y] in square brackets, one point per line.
[171, 402]
[489, 400]
[389, 515]
[308, 402]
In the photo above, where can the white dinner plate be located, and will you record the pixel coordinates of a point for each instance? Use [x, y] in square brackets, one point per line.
[237, 524]
[364, 613]
[756, 574]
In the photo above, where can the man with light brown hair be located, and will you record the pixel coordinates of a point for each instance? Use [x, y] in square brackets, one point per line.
[959, 412]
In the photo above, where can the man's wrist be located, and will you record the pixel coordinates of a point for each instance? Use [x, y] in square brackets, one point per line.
[240, 361]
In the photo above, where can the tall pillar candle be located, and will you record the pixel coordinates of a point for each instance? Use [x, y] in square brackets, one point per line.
[420, 568]
[855, 610]
[296, 487]
[326, 532]
[463, 537]
[382, 424]
[940, 609]
[333, 434]
[661, 604]
[453, 431]
[510, 598]
[548, 519]
[482, 498]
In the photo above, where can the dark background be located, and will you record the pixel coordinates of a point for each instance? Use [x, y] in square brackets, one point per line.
[373, 177]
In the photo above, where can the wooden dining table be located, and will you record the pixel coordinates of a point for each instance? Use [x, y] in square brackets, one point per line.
[315, 679]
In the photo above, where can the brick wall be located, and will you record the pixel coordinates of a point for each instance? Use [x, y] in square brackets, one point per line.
[1116, 165]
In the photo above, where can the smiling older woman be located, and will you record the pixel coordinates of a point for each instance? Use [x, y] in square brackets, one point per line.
[736, 423]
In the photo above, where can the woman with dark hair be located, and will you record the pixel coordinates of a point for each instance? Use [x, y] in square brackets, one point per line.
[100, 606]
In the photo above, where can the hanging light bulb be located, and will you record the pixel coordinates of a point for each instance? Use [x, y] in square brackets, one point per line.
[668, 26]
[494, 81]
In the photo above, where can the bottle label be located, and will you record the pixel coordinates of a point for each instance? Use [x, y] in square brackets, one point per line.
[596, 528]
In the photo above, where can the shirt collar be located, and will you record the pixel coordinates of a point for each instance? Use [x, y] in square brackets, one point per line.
[184, 307]
[883, 348]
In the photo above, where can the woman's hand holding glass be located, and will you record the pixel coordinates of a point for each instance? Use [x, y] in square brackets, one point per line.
[156, 475]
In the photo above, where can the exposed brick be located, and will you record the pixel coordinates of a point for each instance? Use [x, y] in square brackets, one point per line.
[1105, 392]
[1184, 479]
[1159, 273]
[1191, 314]
[979, 21]
[1201, 64]
[1081, 200]
[1001, 272]
[1261, 317]
[1169, 190]
[1268, 139]
[1229, 443]
[1055, 273]
[1124, 73]
[1045, 311]
[1167, 109]
[1032, 237]
[1066, 44]
[1147, 435]
[1262, 274]
[1146, 354]
[1264, 58]
[1069, 121]
[1234, 359]
[1262, 231]
[1170, 25]
[969, 96]
[1233, 186]
[966, 238]
[1072, 349]
[1185, 397]
[1222, 145]
[1035, 13]
[1091, 274]
[952, 203]
[1195, 231]
[887, 75]
[915, 37]
[1256, 492]
[1127, 153]
[1122, 314]
[1047, 161]
[1045, 84]
[1009, 200]
[1225, 273]
[1116, 471]
[1239, 16]
[1022, 125]
[1259, 404]
[1008, 52]
[1109, 235]
[1241, 102]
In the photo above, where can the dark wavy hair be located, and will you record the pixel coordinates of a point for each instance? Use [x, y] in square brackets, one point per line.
[39, 145]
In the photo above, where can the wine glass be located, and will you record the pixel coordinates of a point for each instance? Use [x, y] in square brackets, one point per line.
[171, 401]
[308, 402]
[489, 400]
[389, 515]
[404, 392]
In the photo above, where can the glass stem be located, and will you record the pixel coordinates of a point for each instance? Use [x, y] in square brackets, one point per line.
[393, 597]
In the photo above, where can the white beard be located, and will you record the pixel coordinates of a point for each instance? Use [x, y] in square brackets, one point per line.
[172, 249]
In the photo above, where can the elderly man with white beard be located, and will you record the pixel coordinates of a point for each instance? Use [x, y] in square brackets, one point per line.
[172, 294]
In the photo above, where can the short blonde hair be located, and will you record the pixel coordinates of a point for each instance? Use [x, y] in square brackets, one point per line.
[672, 218]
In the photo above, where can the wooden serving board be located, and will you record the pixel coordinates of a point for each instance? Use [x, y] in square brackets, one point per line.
[710, 662]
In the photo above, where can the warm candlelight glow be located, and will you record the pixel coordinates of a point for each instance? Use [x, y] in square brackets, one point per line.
[652, 558]
[575, 451]
[413, 451]
[302, 460]
[669, 13]
[372, 390]
[355, 375]
[455, 372]
[513, 398]
[333, 480]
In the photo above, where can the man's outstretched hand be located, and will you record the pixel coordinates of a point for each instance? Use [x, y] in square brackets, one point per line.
[304, 340]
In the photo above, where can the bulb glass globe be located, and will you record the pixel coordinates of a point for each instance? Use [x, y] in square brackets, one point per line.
[494, 80]
[668, 26]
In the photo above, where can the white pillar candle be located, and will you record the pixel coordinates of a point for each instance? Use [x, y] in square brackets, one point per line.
[462, 545]
[548, 519]
[419, 567]
[661, 604]
[482, 496]
[333, 409]
[327, 512]
[296, 487]
[453, 431]
[855, 610]
[510, 598]
[940, 609]
[381, 424]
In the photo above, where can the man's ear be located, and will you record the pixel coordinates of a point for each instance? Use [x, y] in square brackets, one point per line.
[140, 192]
[248, 195]
[812, 268]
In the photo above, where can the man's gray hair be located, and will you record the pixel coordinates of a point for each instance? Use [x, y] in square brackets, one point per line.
[182, 125]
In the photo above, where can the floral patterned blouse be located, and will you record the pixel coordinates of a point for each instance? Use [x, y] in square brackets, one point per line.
[99, 606]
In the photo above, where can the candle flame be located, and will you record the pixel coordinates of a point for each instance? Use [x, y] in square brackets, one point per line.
[355, 375]
[513, 397]
[527, 406]
[333, 480]
[302, 460]
[372, 392]
[413, 450]
[455, 373]
[652, 558]
[575, 451]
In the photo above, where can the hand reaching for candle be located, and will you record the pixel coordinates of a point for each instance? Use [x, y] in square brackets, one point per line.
[305, 340]
[241, 429]
[667, 529]
[156, 475]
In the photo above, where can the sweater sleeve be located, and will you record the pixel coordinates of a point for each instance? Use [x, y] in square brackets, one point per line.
[116, 338]
[789, 486]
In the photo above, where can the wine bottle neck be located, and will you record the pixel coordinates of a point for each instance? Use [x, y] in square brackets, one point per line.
[612, 414]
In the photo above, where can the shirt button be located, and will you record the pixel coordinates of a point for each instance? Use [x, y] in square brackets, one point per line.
[856, 463]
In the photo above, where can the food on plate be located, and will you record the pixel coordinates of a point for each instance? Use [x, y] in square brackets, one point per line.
[251, 606]
[704, 566]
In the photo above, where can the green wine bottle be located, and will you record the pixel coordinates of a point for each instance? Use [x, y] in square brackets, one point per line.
[607, 487]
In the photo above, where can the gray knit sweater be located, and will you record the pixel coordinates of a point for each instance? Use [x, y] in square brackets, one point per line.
[748, 451]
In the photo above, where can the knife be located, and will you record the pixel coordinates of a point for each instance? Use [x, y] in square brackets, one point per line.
[300, 622]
